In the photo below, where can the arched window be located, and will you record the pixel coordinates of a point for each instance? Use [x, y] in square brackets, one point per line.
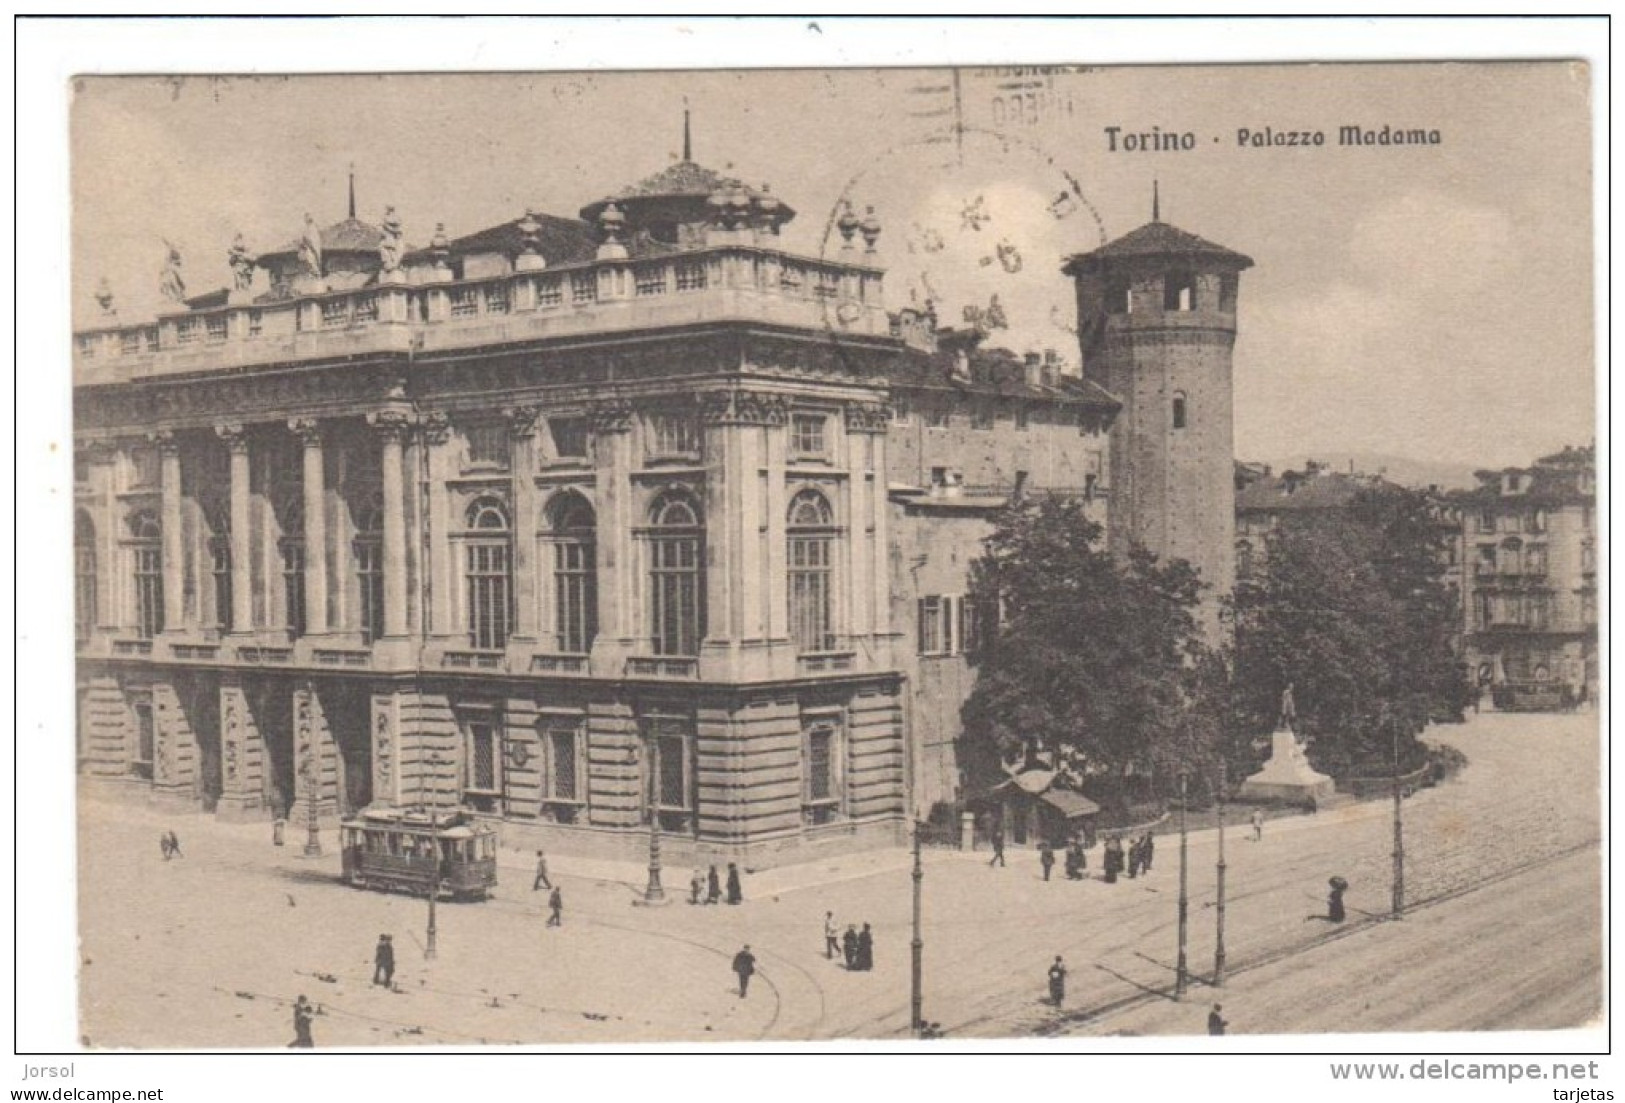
[1179, 409]
[146, 546]
[812, 537]
[676, 576]
[369, 570]
[573, 529]
[84, 575]
[489, 574]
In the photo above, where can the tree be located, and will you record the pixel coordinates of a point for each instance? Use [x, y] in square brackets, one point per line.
[1083, 656]
[1351, 611]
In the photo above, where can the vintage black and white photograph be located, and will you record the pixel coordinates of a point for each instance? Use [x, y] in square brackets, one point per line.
[834, 555]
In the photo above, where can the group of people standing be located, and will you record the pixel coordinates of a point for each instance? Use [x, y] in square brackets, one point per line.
[1133, 860]
[710, 884]
[856, 948]
[1076, 865]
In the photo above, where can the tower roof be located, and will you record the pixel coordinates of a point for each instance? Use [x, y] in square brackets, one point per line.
[1159, 239]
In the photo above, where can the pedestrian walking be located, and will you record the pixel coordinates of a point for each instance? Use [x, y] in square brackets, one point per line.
[1216, 1022]
[849, 947]
[745, 968]
[866, 949]
[1257, 820]
[1046, 858]
[174, 844]
[555, 904]
[1057, 981]
[832, 936]
[163, 845]
[541, 880]
[303, 1013]
[735, 894]
[383, 962]
[998, 849]
[696, 886]
[713, 887]
[1147, 849]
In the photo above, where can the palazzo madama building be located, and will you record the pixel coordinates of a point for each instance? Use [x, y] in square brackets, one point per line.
[571, 521]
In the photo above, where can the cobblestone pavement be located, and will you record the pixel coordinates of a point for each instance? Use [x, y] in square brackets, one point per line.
[211, 949]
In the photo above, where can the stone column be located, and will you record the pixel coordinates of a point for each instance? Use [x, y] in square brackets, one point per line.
[173, 551]
[393, 425]
[526, 571]
[617, 612]
[867, 599]
[309, 431]
[242, 567]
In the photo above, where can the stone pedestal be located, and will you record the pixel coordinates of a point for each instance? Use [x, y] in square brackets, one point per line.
[1287, 777]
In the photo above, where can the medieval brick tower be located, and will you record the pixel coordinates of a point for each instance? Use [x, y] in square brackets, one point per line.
[1156, 328]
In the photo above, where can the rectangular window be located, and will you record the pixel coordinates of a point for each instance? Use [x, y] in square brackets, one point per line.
[667, 771]
[220, 563]
[930, 625]
[465, 302]
[575, 595]
[570, 437]
[336, 312]
[480, 761]
[145, 469]
[944, 624]
[145, 740]
[1485, 564]
[810, 620]
[1535, 561]
[563, 762]
[675, 578]
[186, 331]
[1513, 522]
[1486, 521]
[256, 320]
[149, 592]
[369, 569]
[937, 418]
[489, 602]
[821, 781]
[649, 281]
[84, 590]
[691, 276]
[130, 342]
[807, 435]
[583, 287]
[496, 298]
[488, 446]
[215, 326]
[550, 292]
[366, 308]
[899, 410]
[293, 585]
[673, 435]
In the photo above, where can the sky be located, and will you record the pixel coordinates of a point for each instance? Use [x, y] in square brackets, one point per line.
[1431, 301]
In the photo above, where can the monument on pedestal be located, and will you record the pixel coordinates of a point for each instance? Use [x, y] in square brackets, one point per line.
[1287, 777]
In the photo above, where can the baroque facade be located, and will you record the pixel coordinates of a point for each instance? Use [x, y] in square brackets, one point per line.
[578, 523]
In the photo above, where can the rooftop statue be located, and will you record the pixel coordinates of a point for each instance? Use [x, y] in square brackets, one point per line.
[242, 265]
[170, 283]
[310, 248]
[390, 247]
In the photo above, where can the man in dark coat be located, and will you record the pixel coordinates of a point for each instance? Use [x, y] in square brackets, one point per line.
[1057, 981]
[1148, 848]
[1113, 860]
[541, 881]
[1133, 859]
[998, 849]
[735, 893]
[1046, 858]
[302, 1015]
[1215, 1021]
[745, 967]
[174, 845]
[383, 962]
[866, 949]
[555, 904]
[713, 887]
[849, 947]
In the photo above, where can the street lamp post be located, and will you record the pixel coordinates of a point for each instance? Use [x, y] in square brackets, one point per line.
[917, 947]
[1181, 974]
[1218, 944]
[313, 831]
[434, 894]
[654, 894]
[1399, 834]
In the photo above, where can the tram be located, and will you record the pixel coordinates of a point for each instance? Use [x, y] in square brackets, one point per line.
[419, 851]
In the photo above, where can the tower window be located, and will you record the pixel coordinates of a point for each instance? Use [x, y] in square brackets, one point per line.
[1118, 299]
[1179, 410]
[1179, 291]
